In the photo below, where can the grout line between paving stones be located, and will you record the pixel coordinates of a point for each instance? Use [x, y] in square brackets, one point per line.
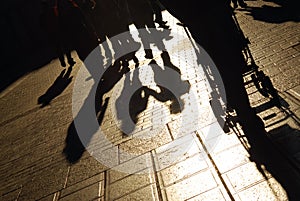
[215, 167]
[160, 197]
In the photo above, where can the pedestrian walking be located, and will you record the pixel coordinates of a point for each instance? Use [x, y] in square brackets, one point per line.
[51, 23]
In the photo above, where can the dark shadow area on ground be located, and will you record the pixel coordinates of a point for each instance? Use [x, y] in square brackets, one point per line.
[29, 39]
[117, 21]
[277, 151]
[218, 35]
[289, 139]
[58, 86]
[136, 101]
[74, 148]
[274, 153]
[285, 136]
[285, 11]
[23, 43]
[94, 106]
[137, 96]
[264, 153]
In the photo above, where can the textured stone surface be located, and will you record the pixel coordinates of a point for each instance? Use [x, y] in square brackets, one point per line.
[185, 160]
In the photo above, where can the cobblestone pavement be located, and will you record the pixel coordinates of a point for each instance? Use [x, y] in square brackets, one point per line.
[168, 156]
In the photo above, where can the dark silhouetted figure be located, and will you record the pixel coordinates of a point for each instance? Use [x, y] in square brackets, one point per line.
[87, 8]
[94, 16]
[83, 40]
[218, 35]
[57, 34]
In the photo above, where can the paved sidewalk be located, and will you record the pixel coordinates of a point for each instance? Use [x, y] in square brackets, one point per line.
[274, 33]
[169, 156]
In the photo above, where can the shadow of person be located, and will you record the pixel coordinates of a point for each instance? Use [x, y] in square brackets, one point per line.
[139, 101]
[218, 35]
[171, 86]
[74, 148]
[91, 113]
[110, 78]
[142, 17]
[58, 86]
[265, 154]
[157, 38]
[157, 10]
[131, 101]
[284, 11]
[166, 86]
[288, 139]
[111, 18]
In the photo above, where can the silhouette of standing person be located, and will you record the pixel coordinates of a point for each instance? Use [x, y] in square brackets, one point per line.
[51, 22]
[75, 28]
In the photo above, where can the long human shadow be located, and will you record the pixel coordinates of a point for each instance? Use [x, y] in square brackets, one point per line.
[217, 35]
[284, 12]
[134, 94]
[58, 86]
[75, 145]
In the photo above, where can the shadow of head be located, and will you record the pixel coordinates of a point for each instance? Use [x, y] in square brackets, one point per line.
[43, 100]
[74, 149]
